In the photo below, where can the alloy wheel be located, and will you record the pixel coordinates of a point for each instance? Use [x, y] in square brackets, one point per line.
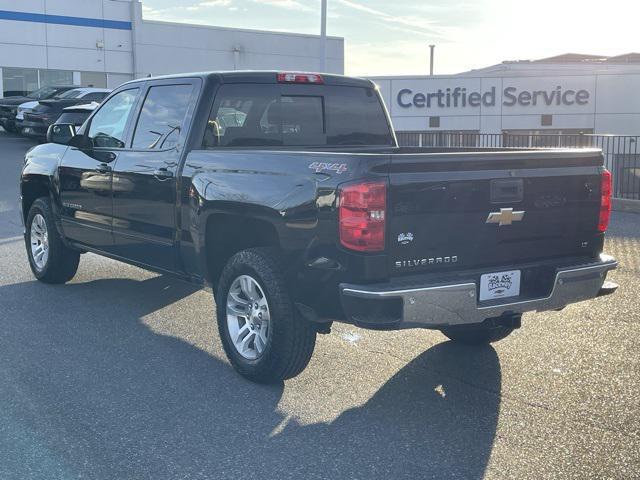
[248, 317]
[39, 242]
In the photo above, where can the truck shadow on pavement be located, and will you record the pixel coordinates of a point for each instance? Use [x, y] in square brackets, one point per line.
[97, 394]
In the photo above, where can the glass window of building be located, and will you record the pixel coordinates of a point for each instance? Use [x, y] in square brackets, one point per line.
[115, 80]
[93, 79]
[19, 81]
[56, 77]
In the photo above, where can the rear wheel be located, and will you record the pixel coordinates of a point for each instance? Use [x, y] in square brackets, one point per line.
[263, 336]
[51, 261]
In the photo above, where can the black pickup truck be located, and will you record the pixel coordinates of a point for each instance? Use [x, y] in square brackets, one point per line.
[287, 194]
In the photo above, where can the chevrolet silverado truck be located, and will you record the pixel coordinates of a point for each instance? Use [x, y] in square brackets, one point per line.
[287, 195]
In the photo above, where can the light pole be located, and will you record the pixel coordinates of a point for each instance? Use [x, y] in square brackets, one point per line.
[431, 48]
[323, 36]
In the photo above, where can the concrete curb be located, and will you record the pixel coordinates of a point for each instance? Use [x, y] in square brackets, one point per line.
[4, 241]
[625, 205]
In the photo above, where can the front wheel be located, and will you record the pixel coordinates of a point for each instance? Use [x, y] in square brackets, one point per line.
[263, 336]
[51, 261]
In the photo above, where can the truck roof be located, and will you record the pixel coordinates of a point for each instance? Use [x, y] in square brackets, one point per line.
[261, 76]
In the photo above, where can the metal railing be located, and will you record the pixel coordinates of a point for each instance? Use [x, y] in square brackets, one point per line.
[621, 152]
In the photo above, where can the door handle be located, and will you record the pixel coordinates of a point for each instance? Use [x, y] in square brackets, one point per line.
[103, 168]
[163, 174]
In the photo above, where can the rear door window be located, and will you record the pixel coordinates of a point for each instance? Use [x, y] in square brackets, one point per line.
[162, 116]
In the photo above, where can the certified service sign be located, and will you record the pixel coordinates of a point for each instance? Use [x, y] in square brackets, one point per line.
[460, 97]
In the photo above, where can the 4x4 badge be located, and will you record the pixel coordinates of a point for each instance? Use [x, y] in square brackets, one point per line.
[506, 216]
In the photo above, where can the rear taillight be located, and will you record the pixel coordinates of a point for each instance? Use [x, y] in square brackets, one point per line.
[605, 201]
[294, 77]
[362, 214]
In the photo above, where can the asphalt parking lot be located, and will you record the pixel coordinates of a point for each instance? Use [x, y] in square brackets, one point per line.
[120, 375]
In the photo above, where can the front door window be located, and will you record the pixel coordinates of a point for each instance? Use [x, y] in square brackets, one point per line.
[107, 129]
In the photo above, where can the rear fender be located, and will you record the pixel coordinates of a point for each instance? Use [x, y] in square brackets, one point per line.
[295, 192]
[285, 203]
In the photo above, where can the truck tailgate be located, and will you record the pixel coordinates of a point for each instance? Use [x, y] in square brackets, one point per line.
[463, 210]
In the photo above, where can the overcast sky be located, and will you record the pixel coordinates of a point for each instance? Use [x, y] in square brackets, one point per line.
[384, 37]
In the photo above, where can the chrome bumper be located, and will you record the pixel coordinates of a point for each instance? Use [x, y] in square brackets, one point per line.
[456, 304]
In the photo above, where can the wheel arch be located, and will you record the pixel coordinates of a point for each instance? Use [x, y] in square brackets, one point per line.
[33, 187]
[228, 233]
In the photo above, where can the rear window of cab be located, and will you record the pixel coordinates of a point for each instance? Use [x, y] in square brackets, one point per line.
[273, 115]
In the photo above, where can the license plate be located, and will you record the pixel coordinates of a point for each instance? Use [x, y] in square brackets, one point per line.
[499, 285]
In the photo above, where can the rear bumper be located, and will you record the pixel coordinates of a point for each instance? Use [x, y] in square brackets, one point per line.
[30, 128]
[433, 306]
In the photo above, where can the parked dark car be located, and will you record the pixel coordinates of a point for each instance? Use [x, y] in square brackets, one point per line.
[288, 195]
[73, 116]
[9, 105]
[46, 113]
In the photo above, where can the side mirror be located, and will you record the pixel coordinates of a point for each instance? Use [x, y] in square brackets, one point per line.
[61, 133]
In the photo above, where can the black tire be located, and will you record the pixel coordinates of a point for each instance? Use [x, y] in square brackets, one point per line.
[291, 338]
[477, 334]
[62, 262]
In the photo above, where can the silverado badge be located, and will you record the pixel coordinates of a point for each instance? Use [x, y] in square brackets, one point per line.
[422, 262]
[506, 216]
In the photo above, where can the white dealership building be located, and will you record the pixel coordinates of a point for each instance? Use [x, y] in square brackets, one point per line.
[565, 94]
[103, 43]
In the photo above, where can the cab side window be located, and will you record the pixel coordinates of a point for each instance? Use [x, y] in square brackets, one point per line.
[107, 129]
[162, 115]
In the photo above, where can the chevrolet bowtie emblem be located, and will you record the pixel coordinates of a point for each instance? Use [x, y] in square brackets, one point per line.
[506, 216]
